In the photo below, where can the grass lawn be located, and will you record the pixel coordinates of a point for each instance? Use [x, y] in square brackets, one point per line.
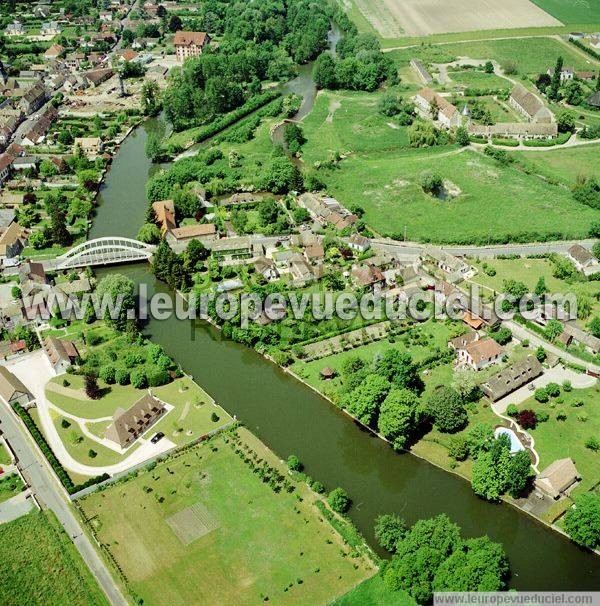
[5, 458]
[563, 164]
[474, 78]
[349, 123]
[532, 56]
[374, 592]
[495, 201]
[572, 11]
[40, 565]
[256, 543]
[559, 439]
[10, 485]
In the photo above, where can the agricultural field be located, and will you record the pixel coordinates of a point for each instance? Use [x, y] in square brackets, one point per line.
[40, 565]
[493, 202]
[572, 11]
[557, 439]
[563, 164]
[205, 515]
[532, 56]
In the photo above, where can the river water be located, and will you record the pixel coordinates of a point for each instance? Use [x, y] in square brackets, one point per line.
[290, 418]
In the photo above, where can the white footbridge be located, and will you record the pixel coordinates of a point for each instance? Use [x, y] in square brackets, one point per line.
[102, 251]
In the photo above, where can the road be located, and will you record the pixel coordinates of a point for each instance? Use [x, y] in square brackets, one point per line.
[413, 249]
[45, 485]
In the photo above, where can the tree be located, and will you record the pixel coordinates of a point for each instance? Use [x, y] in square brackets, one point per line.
[565, 120]
[430, 182]
[476, 565]
[364, 401]
[582, 522]
[399, 368]
[92, 390]
[540, 287]
[552, 91]
[293, 137]
[139, 379]
[488, 68]
[293, 462]
[462, 136]
[446, 408]
[389, 530]
[149, 233]
[281, 176]
[116, 288]
[339, 500]
[58, 224]
[465, 384]
[491, 470]
[175, 23]
[150, 102]
[574, 93]
[194, 254]
[48, 168]
[389, 104]
[520, 475]
[399, 416]
[458, 448]
[594, 326]
[540, 354]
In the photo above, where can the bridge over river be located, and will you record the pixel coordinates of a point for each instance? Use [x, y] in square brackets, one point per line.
[102, 251]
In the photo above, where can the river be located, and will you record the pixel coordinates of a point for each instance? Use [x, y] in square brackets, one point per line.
[290, 418]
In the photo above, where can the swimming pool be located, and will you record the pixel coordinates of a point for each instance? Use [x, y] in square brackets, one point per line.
[515, 443]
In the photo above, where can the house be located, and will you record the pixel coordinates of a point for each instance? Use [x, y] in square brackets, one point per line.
[128, 425]
[14, 29]
[231, 248]
[33, 99]
[50, 28]
[456, 268]
[586, 76]
[511, 378]
[189, 44]
[16, 348]
[300, 270]
[6, 161]
[32, 272]
[314, 252]
[37, 133]
[12, 391]
[54, 52]
[25, 163]
[462, 341]
[11, 241]
[566, 73]
[127, 55]
[589, 341]
[325, 210]
[473, 321]
[446, 113]
[106, 16]
[98, 76]
[558, 478]
[74, 60]
[206, 232]
[368, 276]
[421, 71]
[41, 11]
[583, 259]
[595, 41]
[480, 353]
[164, 211]
[266, 268]
[529, 105]
[594, 100]
[359, 243]
[60, 352]
[90, 146]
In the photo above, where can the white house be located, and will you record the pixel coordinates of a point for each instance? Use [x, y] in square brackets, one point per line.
[480, 353]
[447, 114]
[583, 259]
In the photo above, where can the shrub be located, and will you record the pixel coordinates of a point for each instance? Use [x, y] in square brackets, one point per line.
[527, 419]
[458, 448]
[561, 416]
[567, 386]
[553, 390]
[122, 376]
[293, 462]
[542, 416]
[512, 410]
[139, 379]
[158, 377]
[92, 454]
[339, 500]
[214, 417]
[541, 395]
[107, 374]
[318, 487]
[577, 403]
[65, 424]
[593, 444]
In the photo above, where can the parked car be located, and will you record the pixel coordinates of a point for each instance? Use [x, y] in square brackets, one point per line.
[156, 437]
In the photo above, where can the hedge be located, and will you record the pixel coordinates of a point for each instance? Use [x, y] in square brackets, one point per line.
[216, 126]
[59, 470]
[585, 49]
[505, 142]
[560, 140]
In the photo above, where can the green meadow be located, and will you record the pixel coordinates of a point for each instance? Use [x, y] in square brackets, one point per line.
[572, 11]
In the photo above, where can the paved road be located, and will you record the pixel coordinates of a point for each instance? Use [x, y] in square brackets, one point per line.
[46, 487]
[524, 333]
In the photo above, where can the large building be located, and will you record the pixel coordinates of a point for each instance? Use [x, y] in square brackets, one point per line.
[511, 378]
[530, 106]
[60, 352]
[129, 424]
[445, 113]
[190, 44]
[12, 391]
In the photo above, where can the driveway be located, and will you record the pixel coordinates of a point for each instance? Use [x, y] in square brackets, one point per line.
[17, 506]
[35, 371]
[558, 374]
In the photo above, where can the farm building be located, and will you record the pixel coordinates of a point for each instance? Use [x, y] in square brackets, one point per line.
[511, 378]
[529, 105]
[127, 425]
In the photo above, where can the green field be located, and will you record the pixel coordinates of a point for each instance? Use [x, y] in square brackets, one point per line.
[494, 202]
[572, 11]
[252, 544]
[374, 592]
[532, 55]
[564, 164]
[10, 485]
[474, 78]
[40, 565]
[559, 439]
[349, 123]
